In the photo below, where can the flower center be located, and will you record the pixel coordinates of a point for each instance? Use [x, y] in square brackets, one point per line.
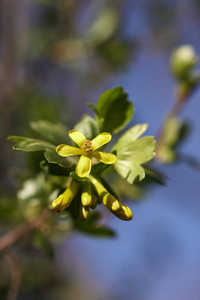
[87, 146]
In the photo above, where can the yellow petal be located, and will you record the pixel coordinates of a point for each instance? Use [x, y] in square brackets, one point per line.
[100, 140]
[78, 137]
[106, 158]
[83, 167]
[66, 150]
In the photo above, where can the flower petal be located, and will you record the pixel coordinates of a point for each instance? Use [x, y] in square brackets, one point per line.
[106, 158]
[84, 166]
[66, 150]
[100, 140]
[78, 137]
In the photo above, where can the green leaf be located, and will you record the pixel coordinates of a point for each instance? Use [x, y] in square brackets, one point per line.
[92, 106]
[154, 175]
[30, 145]
[114, 110]
[55, 169]
[53, 157]
[55, 133]
[133, 152]
[99, 168]
[174, 132]
[88, 126]
[92, 229]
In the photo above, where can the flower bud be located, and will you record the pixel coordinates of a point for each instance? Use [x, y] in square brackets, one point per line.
[86, 196]
[84, 212]
[123, 213]
[66, 198]
[111, 202]
[182, 61]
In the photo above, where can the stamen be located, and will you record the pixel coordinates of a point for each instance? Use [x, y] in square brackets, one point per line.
[87, 146]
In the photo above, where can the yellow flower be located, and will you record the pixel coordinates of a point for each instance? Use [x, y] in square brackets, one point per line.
[87, 150]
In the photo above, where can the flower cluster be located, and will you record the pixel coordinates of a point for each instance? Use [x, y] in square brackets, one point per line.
[92, 190]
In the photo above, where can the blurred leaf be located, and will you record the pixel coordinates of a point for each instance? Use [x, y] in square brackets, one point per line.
[40, 241]
[132, 152]
[174, 132]
[92, 106]
[88, 126]
[92, 229]
[114, 110]
[153, 175]
[55, 133]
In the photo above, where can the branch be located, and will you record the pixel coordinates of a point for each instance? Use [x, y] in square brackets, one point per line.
[14, 236]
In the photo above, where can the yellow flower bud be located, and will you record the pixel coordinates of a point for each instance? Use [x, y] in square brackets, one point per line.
[123, 213]
[84, 212]
[111, 202]
[86, 196]
[66, 198]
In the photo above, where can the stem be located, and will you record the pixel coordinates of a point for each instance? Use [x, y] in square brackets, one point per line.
[14, 236]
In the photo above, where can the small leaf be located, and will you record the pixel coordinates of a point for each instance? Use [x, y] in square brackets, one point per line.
[99, 168]
[55, 133]
[132, 152]
[30, 145]
[154, 175]
[55, 169]
[53, 157]
[114, 110]
[93, 107]
[88, 126]
[174, 132]
[92, 229]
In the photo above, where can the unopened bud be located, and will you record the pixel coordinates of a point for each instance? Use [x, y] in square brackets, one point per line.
[86, 196]
[123, 213]
[111, 202]
[84, 212]
[66, 198]
[182, 61]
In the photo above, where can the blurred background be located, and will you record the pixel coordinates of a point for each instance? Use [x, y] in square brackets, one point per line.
[55, 57]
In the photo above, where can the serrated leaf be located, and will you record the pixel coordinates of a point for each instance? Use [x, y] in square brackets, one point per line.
[133, 152]
[30, 145]
[114, 110]
[55, 133]
[88, 126]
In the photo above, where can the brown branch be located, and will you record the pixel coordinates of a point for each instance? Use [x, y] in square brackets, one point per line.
[14, 236]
